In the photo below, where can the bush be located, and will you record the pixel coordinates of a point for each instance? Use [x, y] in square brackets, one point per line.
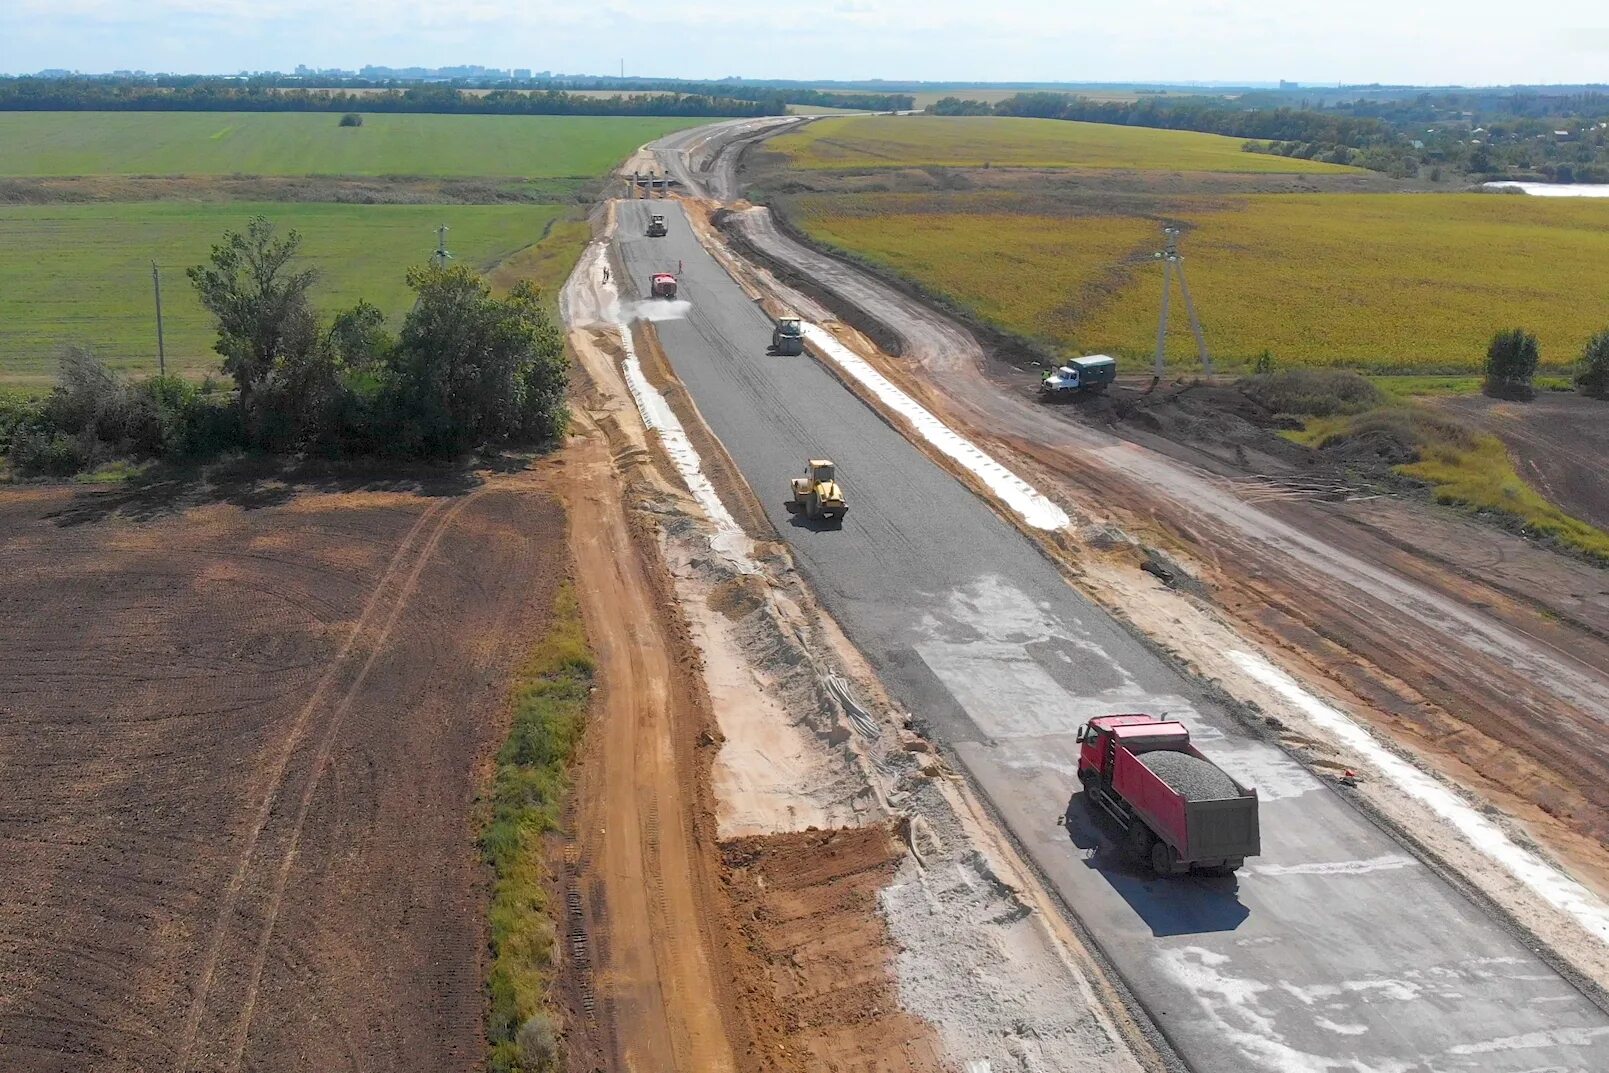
[1313, 392]
[94, 415]
[1593, 379]
[18, 414]
[539, 1044]
[351, 119]
[1511, 362]
[44, 452]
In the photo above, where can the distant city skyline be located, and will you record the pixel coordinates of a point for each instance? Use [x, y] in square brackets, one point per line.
[1433, 42]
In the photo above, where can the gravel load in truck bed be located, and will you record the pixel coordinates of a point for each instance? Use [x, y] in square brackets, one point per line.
[1194, 778]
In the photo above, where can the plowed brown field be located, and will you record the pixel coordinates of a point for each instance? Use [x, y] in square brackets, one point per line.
[240, 744]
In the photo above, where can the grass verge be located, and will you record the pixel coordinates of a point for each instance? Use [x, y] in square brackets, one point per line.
[1462, 468]
[550, 699]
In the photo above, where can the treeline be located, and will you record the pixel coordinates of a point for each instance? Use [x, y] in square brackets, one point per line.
[279, 93]
[859, 101]
[1211, 115]
[1395, 137]
[66, 94]
[466, 370]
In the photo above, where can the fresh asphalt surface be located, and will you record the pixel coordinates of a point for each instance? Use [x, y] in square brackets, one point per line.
[1333, 951]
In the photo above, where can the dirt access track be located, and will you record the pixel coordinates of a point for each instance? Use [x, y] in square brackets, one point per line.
[240, 744]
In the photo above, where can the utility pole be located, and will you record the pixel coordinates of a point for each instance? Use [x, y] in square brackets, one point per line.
[441, 256]
[161, 348]
[1173, 260]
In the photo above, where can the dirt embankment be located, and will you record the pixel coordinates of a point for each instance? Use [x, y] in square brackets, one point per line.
[806, 906]
[1559, 442]
[242, 740]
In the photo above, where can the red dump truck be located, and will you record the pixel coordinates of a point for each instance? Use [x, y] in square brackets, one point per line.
[663, 285]
[1179, 809]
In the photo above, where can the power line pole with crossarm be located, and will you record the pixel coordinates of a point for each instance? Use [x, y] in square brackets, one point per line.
[1173, 261]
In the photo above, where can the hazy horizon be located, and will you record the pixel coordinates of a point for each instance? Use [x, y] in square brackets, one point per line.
[1258, 41]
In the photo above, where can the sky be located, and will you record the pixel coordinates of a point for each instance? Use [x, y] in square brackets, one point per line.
[1469, 42]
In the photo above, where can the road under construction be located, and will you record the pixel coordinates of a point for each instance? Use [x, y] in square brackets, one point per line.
[1337, 948]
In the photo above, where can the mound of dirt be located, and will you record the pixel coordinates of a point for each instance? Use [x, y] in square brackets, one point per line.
[806, 904]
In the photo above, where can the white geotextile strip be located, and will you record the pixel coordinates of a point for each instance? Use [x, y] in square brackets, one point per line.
[1018, 494]
[729, 538]
[1558, 889]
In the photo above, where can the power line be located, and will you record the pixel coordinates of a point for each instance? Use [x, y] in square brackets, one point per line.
[1173, 261]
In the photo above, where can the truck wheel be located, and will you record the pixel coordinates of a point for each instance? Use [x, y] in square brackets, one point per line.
[1164, 861]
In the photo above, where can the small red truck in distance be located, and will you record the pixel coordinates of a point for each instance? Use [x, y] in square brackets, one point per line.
[663, 285]
[1179, 809]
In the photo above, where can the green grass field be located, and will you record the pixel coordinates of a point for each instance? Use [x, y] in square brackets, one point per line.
[246, 143]
[1382, 282]
[82, 273]
[851, 142]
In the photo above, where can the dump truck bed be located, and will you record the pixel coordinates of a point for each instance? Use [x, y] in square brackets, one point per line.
[1188, 801]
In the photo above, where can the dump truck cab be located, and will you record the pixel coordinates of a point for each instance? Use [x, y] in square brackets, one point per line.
[1086, 374]
[817, 495]
[788, 336]
[656, 226]
[663, 285]
[1099, 738]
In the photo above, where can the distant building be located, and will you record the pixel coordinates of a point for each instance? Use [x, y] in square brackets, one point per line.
[522, 73]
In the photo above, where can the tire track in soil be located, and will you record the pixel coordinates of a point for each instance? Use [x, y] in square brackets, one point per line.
[436, 518]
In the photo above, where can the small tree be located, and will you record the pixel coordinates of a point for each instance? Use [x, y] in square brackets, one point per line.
[1593, 379]
[1511, 362]
[265, 319]
[351, 119]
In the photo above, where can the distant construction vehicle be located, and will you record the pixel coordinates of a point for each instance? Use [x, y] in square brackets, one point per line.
[817, 495]
[1179, 809]
[662, 285]
[788, 336]
[1089, 374]
[656, 226]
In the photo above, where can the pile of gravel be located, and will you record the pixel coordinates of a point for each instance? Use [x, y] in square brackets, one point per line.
[1193, 777]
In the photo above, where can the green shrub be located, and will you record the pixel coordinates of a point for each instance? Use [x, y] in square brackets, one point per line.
[18, 413]
[1593, 379]
[1511, 362]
